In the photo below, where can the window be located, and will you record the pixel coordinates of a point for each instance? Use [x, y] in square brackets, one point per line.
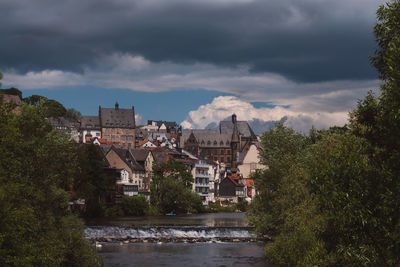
[209, 142]
[222, 159]
[253, 166]
[97, 134]
[215, 143]
[222, 151]
[228, 159]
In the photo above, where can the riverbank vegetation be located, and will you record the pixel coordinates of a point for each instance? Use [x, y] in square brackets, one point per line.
[171, 189]
[332, 198]
[37, 167]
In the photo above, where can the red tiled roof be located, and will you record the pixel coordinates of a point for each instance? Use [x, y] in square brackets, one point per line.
[249, 183]
[142, 142]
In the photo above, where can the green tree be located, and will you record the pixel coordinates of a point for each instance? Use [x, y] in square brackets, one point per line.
[282, 147]
[50, 107]
[37, 165]
[171, 189]
[73, 114]
[92, 180]
[134, 206]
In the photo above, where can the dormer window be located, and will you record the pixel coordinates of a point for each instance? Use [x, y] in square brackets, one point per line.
[208, 142]
[215, 143]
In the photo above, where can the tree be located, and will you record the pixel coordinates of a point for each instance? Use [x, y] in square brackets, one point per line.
[171, 189]
[335, 201]
[73, 114]
[92, 181]
[135, 205]
[51, 108]
[37, 165]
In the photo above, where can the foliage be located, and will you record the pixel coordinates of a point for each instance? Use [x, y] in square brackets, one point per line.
[37, 165]
[11, 91]
[73, 114]
[171, 189]
[282, 147]
[52, 108]
[134, 206]
[332, 198]
[92, 181]
[113, 211]
[242, 206]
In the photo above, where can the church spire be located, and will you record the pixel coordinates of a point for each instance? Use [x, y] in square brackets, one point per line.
[235, 132]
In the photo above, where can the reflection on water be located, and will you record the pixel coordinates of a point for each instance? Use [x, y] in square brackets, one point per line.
[207, 219]
[179, 254]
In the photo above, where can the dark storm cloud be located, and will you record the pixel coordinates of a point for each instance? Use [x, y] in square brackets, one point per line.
[304, 41]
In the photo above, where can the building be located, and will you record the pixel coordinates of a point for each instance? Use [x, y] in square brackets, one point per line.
[120, 159]
[249, 161]
[66, 126]
[163, 126]
[224, 146]
[90, 128]
[232, 189]
[118, 124]
[203, 172]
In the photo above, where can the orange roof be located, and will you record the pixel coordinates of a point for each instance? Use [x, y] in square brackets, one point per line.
[250, 184]
[142, 142]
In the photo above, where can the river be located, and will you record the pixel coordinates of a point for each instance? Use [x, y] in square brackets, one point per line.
[214, 239]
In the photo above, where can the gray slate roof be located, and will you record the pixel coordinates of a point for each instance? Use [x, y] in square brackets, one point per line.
[128, 158]
[140, 154]
[226, 127]
[90, 122]
[208, 138]
[117, 117]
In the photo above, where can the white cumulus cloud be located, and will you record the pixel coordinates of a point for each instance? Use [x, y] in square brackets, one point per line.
[224, 106]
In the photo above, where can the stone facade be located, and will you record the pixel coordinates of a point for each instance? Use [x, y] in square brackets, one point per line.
[118, 124]
[224, 145]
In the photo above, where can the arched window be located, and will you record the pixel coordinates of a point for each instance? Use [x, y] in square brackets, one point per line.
[202, 142]
[227, 143]
[208, 142]
[221, 143]
[215, 143]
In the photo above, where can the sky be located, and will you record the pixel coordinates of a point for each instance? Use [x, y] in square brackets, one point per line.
[194, 61]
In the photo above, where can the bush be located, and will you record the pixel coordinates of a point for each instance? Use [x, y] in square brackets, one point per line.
[113, 211]
[242, 206]
[134, 206]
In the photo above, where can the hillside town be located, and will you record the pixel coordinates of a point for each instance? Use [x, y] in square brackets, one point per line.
[220, 161]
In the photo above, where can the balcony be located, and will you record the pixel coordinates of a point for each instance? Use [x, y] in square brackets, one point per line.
[203, 175]
[202, 165]
[202, 185]
[203, 194]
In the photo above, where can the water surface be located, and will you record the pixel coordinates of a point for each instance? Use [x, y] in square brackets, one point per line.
[210, 253]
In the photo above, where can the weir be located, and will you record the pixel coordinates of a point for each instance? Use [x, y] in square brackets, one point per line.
[171, 234]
